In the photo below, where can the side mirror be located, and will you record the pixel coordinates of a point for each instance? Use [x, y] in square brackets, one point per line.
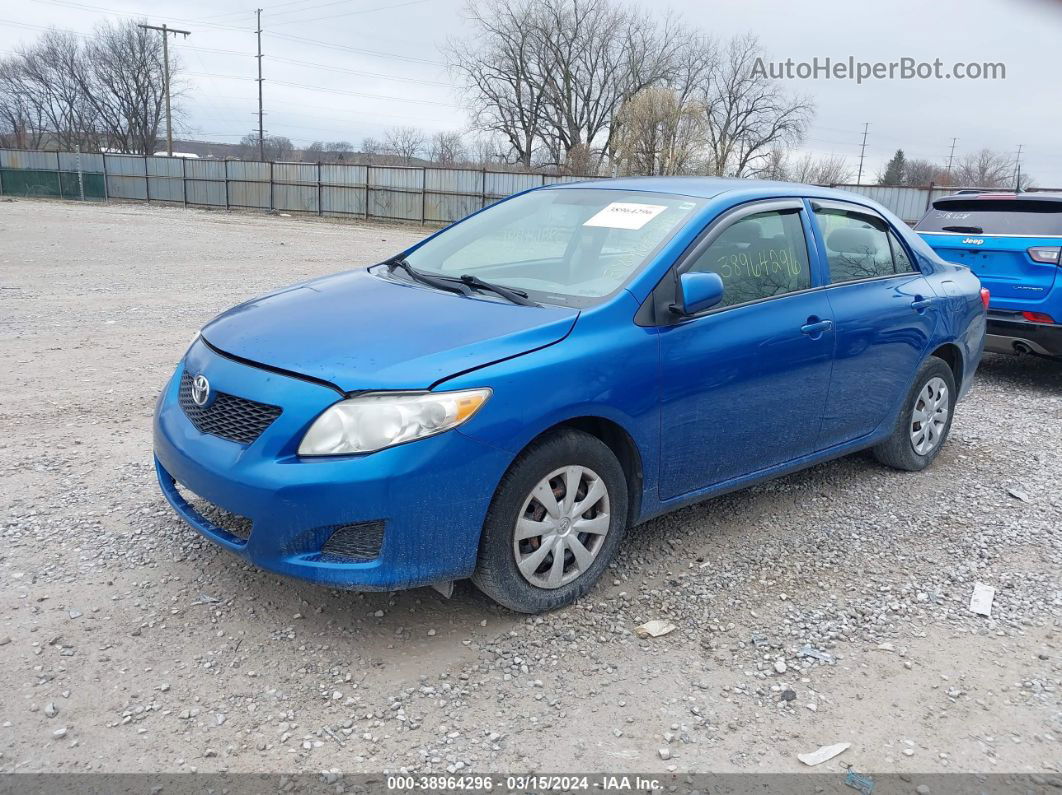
[697, 292]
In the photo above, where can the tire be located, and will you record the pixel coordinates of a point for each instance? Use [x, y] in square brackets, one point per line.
[567, 456]
[902, 450]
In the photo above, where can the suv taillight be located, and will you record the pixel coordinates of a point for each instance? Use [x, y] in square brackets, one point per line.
[1049, 255]
[985, 296]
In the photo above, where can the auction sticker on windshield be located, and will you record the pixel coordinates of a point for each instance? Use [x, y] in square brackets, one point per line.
[625, 215]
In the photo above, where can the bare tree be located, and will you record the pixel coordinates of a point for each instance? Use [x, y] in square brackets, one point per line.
[809, 169]
[548, 76]
[405, 142]
[658, 133]
[275, 147]
[502, 72]
[372, 149]
[986, 169]
[106, 91]
[331, 152]
[486, 150]
[125, 85]
[924, 172]
[22, 123]
[748, 114]
[47, 78]
[823, 170]
[447, 148]
[340, 150]
[596, 55]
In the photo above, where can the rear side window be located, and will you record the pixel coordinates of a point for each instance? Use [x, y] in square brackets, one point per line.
[1028, 217]
[760, 256]
[860, 246]
[900, 260]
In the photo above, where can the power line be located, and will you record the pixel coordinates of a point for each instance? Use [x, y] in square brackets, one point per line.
[338, 91]
[359, 50]
[351, 13]
[165, 31]
[126, 14]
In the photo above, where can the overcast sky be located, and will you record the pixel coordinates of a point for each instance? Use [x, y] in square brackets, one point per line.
[346, 69]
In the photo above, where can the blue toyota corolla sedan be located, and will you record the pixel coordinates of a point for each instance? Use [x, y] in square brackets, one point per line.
[504, 399]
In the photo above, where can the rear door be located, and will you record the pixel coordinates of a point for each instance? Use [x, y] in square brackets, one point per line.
[884, 312]
[1010, 242]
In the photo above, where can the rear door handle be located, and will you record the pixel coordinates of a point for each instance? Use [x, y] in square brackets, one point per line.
[816, 327]
[920, 303]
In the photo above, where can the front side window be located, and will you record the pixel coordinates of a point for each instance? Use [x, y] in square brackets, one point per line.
[759, 256]
[568, 246]
[857, 246]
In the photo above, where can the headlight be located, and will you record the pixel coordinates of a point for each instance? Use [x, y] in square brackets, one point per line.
[372, 422]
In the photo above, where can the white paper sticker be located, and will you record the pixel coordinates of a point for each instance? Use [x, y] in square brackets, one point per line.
[626, 215]
[981, 599]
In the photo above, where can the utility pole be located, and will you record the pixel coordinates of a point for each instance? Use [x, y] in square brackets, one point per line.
[951, 156]
[261, 132]
[862, 154]
[1017, 169]
[166, 75]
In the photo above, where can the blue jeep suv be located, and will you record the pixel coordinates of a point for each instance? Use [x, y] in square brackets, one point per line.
[1011, 241]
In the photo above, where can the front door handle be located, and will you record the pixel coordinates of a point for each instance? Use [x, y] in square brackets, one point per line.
[920, 303]
[815, 328]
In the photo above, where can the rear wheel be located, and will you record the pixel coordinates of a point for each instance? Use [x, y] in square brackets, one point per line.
[924, 421]
[554, 525]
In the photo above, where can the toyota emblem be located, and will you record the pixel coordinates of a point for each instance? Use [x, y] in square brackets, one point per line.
[200, 390]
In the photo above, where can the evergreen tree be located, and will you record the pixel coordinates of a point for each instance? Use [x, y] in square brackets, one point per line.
[895, 170]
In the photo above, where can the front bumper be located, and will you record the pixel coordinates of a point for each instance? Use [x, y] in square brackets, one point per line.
[1011, 333]
[432, 495]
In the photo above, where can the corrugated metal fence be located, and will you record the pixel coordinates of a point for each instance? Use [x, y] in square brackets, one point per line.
[422, 194]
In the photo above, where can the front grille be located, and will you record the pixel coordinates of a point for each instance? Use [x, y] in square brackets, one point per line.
[354, 543]
[234, 418]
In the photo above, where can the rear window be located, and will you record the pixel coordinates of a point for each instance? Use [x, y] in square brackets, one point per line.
[994, 217]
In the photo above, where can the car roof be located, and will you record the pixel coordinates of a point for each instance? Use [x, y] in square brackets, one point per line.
[711, 187]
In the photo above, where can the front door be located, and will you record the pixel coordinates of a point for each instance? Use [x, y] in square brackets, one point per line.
[743, 385]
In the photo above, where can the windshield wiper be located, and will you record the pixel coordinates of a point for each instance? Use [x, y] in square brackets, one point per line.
[970, 230]
[442, 284]
[516, 296]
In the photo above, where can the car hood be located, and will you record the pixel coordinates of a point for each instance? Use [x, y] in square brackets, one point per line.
[360, 331]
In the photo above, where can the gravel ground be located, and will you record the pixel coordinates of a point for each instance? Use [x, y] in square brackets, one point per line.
[828, 606]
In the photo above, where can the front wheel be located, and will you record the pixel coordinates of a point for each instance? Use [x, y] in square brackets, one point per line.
[554, 525]
[924, 420]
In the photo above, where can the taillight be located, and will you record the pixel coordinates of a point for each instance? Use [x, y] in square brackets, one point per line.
[985, 295]
[1038, 317]
[1049, 255]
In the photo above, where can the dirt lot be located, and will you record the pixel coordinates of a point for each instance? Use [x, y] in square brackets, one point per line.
[829, 606]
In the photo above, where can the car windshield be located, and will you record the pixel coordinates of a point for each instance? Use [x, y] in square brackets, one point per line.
[1026, 217]
[569, 246]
